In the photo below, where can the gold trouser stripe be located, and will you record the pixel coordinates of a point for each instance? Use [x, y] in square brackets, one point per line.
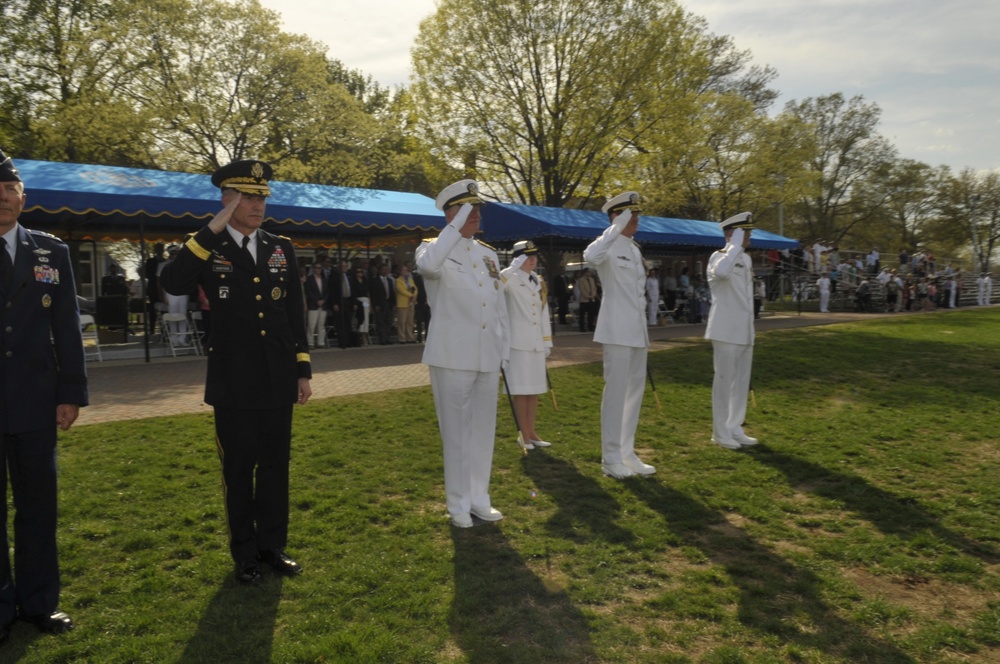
[225, 488]
[198, 250]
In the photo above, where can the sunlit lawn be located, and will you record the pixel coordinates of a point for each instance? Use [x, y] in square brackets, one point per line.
[864, 528]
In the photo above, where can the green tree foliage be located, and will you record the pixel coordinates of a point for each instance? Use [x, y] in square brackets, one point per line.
[848, 151]
[543, 99]
[968, 216]
[65, 65]
[190, 86]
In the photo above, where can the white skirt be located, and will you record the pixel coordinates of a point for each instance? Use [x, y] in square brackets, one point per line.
[526, 374]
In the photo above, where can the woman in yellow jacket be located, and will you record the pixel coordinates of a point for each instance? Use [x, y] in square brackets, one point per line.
[406, 300]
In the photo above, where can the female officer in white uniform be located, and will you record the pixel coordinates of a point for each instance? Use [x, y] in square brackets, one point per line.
[530, 338]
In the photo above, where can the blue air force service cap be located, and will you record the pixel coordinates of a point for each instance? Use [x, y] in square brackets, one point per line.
[8, 172]
[248, 176]
[524, 247]
[741, 220]
[459, 193]
[627, 201]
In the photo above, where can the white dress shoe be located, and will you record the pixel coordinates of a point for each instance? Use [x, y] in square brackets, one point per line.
[638, 467]
[487, 513]
[744, 440]
[540, 443]
[619, 471]
[524, 445]
[461, 520]
[728, 444]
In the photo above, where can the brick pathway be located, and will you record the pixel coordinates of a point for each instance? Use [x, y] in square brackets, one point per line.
[131, 389]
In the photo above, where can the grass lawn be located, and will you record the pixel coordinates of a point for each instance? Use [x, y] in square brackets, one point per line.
[864, 528]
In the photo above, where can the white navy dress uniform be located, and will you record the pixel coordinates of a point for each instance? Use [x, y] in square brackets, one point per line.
[530, 328]
[467, 341]
[621, 328]
[731, 330]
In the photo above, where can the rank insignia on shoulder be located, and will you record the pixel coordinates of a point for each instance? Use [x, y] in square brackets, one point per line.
[486, 245]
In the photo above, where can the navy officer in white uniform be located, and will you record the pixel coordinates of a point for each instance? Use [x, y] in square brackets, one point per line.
[530, 339]
[621, 327]
[731, 329]
[466, 344]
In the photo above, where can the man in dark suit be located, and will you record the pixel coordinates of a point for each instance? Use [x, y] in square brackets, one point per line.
[340, 303]
[258, 361]
[44, 381]
[383, 294]
[317, 293]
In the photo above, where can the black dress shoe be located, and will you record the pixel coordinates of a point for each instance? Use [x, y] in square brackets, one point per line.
[280, 562]
[52, 623]
[248, 573]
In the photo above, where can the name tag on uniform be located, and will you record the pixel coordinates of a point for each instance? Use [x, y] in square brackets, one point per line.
[221, 266]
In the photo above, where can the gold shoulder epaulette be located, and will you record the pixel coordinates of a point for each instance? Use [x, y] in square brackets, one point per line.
[427, 239]
[486, 245]
[285, 237]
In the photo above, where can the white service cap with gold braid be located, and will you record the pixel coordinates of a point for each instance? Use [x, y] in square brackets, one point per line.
[741, 220]
[459, 193]
[629, 200]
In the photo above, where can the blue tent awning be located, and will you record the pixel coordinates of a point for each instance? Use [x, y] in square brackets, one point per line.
[507, 222]
[78, 200]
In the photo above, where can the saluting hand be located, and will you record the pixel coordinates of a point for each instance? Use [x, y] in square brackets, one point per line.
[221, 220]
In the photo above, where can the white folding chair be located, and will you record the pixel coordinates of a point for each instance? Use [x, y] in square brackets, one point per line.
[198, 331]
[173, 326]
[88, 328]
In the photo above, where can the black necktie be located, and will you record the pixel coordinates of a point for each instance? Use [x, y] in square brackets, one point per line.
[246, 248]
[532, 279]
[6, 266]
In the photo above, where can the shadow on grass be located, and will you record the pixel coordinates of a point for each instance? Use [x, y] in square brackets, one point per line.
[238, 624]
[585, 509]
[502, 611]
[886, 511]
[775, 596]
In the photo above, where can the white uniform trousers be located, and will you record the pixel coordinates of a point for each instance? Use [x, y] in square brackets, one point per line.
[178, 304]
[824, 302]
[652, 310]
[466, 405]
[730, 388]
[624, 383]
[316, 326]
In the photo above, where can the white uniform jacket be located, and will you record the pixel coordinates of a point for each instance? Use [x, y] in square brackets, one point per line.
[619, 264]
[469, 328]
[530, 328]
[730, 277]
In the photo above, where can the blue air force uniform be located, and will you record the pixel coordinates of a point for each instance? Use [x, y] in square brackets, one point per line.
[42, 366]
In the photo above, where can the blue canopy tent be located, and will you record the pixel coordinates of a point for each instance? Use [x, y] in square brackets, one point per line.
[565, 229]
[78, 201]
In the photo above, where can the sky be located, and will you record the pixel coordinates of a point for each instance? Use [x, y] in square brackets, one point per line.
[932, 66]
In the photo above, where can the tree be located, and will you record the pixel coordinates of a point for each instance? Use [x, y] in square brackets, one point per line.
[541, 99]
[61, 81]
[968, 216]
[848, 151]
